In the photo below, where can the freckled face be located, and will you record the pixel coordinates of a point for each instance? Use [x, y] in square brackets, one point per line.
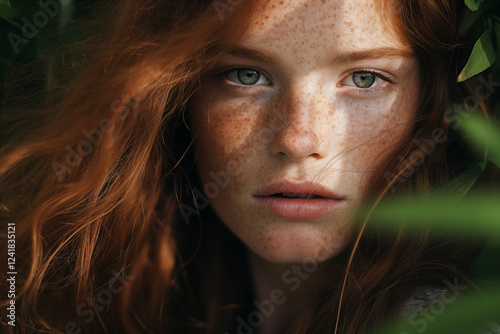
[300, 106]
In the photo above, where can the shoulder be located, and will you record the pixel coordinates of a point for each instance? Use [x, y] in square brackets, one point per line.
[428, 303]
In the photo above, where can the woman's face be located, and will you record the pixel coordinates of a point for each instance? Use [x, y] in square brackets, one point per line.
[311, 100]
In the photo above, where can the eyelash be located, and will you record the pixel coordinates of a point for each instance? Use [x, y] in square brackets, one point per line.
[227, 70]
[357, 91]
[368, 91]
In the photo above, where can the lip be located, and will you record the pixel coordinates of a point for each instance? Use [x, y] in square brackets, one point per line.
[298, 208]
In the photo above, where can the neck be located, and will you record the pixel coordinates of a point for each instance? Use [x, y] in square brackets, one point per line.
[284, 291]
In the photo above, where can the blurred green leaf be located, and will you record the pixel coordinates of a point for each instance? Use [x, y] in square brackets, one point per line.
[484, 135]
[11, 12]
[462, 183]
[477, 214]
[469, 315]
[473, 4]
[6, 3]
[487, 268]
[482, 56]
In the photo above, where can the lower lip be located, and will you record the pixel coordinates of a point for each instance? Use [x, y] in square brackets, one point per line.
[298, 208]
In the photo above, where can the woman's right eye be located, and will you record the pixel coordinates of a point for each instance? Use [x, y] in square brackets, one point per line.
[247, 77]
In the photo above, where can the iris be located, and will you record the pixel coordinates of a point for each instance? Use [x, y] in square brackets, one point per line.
[248, 77]
[363, 79]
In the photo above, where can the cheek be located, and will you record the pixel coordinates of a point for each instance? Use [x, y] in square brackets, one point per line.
[374, 130]
[225, 132]
[371, 132]
[233, 134]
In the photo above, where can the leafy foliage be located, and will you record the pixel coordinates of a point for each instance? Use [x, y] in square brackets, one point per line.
[473, 4]
[5, 2]
[477, 214]
[482, 57]
[472, 214]
[486, 15]
[484, 136]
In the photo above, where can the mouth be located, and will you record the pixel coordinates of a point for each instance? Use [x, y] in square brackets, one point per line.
[297, 195]
[298, 201]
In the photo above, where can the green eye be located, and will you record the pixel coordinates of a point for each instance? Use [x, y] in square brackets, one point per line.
[247, 77]
[363, 79]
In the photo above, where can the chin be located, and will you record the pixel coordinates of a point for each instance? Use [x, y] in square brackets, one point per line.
[300, 242]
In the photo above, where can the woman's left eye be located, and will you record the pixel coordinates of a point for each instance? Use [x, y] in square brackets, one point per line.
[247, 77]
[365, 79]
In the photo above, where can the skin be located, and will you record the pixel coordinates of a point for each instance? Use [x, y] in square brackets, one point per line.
[309, 122]
[305, 120]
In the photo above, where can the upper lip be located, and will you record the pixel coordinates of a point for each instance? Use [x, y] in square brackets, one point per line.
[303, 187]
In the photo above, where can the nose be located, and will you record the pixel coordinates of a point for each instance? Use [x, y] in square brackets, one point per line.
[303, 130]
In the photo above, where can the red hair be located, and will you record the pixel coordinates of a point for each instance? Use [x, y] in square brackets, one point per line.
[103, 162]
[93, 174]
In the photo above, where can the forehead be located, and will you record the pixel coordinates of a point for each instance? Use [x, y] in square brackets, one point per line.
[302, 26]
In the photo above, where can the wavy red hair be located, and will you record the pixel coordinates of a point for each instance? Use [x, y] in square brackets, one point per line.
[95, 163]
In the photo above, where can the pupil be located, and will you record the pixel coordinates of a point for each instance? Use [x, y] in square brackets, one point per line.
[363, 79]
[248, 77]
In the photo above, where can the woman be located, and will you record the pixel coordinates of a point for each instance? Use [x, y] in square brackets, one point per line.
[200, 171]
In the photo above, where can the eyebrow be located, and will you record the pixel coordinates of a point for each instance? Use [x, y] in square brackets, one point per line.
[381, 52]
[343, 57]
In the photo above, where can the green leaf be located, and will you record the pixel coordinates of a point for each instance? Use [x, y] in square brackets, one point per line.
[6, 11]
[487, 268]
[477, 214]
[6, 3]
[482, 56]
[463, 182]
[484, 135]
[469, 20]
[468, 315]
[473, 4]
